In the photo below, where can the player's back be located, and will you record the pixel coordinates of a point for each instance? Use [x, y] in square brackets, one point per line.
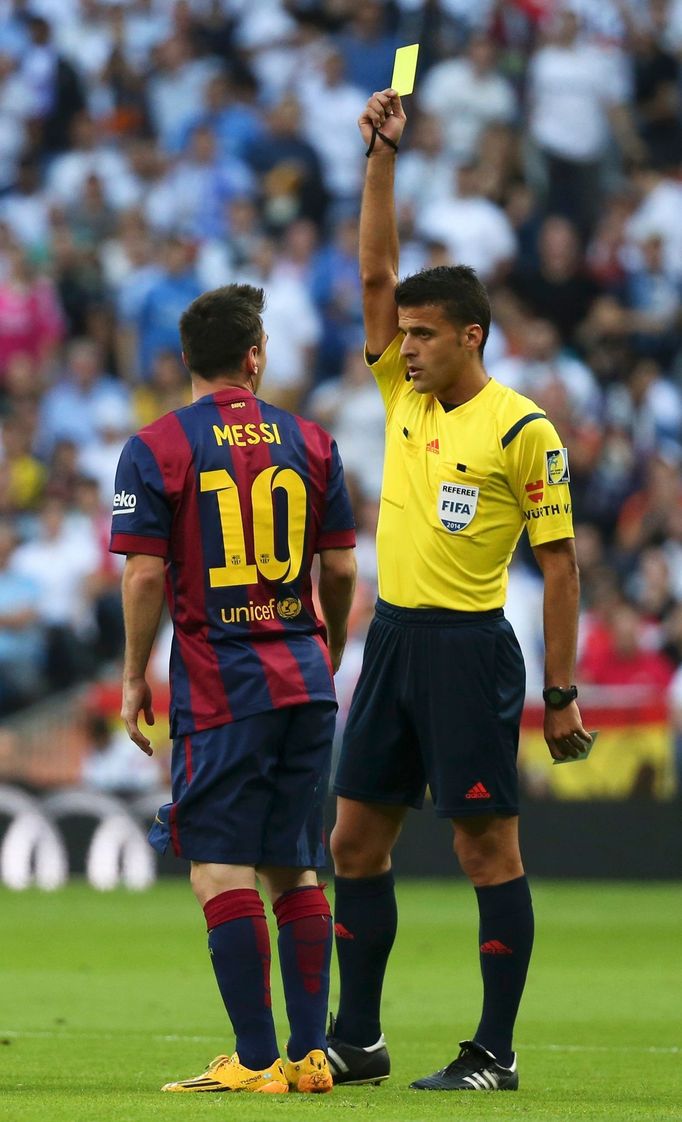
[243, 494]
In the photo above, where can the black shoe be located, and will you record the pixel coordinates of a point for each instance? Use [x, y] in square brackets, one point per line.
[353, 1065]
[475, 1069]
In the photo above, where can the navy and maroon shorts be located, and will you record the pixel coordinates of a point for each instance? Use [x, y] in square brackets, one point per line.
[438, 702]
[251, 792]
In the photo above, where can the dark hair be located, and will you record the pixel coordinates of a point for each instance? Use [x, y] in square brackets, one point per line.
[219, 327]
[454, 288]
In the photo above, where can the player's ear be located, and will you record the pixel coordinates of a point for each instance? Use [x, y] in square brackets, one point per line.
[184, 361]
[252, 360]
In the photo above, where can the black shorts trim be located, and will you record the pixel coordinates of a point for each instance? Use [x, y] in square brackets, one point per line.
[432, 617]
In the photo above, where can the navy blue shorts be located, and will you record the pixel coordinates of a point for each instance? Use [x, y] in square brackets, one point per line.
[438, 702]
[251, 792]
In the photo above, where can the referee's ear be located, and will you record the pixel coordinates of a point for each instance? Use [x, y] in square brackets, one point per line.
[473, 337]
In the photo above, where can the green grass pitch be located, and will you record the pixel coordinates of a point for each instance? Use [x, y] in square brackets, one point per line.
[105, 997]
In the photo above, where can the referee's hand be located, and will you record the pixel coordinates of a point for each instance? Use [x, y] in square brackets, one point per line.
[384, 112]
[566, 738]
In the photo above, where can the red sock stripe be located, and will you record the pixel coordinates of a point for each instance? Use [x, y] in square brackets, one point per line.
[238, 903]
[300, 903]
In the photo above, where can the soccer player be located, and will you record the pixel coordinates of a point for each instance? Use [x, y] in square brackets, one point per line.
[469, 464]
[227, 501]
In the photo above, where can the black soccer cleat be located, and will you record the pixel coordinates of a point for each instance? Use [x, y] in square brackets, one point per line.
[352, 1065]
[475, 1069]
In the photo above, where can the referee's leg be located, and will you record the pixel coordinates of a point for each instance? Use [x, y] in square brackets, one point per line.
[365, 914]
[487, 849]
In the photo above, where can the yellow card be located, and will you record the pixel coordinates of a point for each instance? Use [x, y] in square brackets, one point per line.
[404, 69]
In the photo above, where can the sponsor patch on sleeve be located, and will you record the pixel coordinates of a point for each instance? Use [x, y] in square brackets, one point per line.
[557, 466]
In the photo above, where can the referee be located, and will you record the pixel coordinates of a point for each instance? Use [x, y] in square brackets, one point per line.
[469, 464]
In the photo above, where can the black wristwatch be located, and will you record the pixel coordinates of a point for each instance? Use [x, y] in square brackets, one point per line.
[558, 697]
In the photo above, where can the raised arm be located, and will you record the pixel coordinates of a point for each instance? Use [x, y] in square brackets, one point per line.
[378, 229]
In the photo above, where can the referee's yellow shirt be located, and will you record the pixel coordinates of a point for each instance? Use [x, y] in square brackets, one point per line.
[459, 486]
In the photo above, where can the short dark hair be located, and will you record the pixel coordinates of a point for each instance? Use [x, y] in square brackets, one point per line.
[455, 288]
[219, 327]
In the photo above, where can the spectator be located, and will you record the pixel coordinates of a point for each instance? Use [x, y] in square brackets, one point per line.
[657, 97]
[69, 407]
[21, 646]
[290, 169]
[475, 230]
[25, 208]
[90, 154]
[558, 287]
[625, 661]
[155, 318]
[167, 389]
[177, 88]
[233, 120]
[578, 98]
[466, 94]
[113, 765]
[335, 286]
[59, 562]
[653, 299]
[368, 46]
[351, 410]
[293, 327]
[190, 199]
[337, 148]
[27, 474]
[658, 214]
[15, 112]
[425, 171]
[31, 319]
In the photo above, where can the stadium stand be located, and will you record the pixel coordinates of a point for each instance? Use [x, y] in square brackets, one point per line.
[151, 149]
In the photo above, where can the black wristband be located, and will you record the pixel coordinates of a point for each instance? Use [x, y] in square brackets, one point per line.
[386, 139]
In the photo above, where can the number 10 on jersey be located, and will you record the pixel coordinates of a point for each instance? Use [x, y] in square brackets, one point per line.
[237, 571]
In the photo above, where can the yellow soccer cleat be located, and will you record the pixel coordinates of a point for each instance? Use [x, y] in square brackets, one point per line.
[225, 1073]
[311, 1075]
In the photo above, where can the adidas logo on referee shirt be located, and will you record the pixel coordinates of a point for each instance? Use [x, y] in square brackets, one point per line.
[478, 791]
[433, 446]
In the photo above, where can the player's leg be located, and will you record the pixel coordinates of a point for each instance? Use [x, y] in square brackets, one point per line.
[222, 792]
[292, 849]
[239, 946]
[304, 944]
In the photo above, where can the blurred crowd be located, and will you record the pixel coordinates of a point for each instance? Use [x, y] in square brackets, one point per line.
[152, 149]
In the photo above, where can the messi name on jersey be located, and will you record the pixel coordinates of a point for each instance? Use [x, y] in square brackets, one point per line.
[456, 505]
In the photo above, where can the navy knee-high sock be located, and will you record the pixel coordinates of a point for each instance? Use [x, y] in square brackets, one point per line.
[304, 942]
[505, 942]
[365, 923]
[239, 944]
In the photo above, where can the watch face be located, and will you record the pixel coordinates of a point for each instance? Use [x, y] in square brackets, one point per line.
[560, 697]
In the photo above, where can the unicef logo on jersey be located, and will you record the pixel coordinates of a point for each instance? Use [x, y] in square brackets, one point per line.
[456, 506]
[289, 608]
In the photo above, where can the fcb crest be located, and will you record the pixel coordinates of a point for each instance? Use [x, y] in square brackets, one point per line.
[557, 466]
[456, 506]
